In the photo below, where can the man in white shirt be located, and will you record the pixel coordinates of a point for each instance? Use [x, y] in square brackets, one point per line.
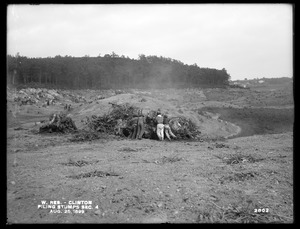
[160, 126]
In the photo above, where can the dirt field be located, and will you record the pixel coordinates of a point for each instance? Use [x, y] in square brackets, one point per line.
[240, 172]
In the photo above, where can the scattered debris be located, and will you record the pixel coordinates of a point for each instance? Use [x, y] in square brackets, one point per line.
[238, 177]
[19, 128]
[239, 158]
[117, 92]
[29, 96]
[95, 173]
[25, 100]
[67, 107]
[221, 145]
[80, 163]
[98, 212]
[170, 159]
[83, 135]
[99, 97]
[128, 149]
[58, 123]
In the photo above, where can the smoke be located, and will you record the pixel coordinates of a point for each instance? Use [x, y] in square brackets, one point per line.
[160, 77]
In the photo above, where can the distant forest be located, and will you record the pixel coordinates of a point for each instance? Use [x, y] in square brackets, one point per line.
[111, 71]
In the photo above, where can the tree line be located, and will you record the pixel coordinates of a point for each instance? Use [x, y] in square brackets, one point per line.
[111, 71]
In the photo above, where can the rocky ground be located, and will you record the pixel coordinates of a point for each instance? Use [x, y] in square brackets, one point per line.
[241, 172]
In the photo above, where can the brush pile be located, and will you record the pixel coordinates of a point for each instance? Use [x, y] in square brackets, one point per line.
[108, 122]
[120, 115]
[186, 128]
[58, 123]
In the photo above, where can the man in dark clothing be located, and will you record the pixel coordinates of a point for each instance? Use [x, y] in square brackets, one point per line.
[132, 124]
[140, 125]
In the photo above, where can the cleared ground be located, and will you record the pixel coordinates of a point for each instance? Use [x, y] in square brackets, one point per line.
[217, 180]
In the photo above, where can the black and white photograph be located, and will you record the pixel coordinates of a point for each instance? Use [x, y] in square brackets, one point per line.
[150, 113]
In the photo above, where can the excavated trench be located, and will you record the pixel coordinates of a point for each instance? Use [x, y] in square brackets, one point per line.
[256, 121]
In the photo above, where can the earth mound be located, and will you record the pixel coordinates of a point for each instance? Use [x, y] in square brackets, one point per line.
[208, 124]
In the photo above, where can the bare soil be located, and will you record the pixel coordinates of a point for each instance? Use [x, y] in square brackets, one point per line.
[241, 172]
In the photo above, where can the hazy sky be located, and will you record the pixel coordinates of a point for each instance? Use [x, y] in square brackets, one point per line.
[248, 40]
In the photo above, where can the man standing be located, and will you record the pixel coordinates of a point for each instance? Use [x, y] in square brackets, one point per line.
[140, 125]
[167, 128]
[132, 124]
[160, 126]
